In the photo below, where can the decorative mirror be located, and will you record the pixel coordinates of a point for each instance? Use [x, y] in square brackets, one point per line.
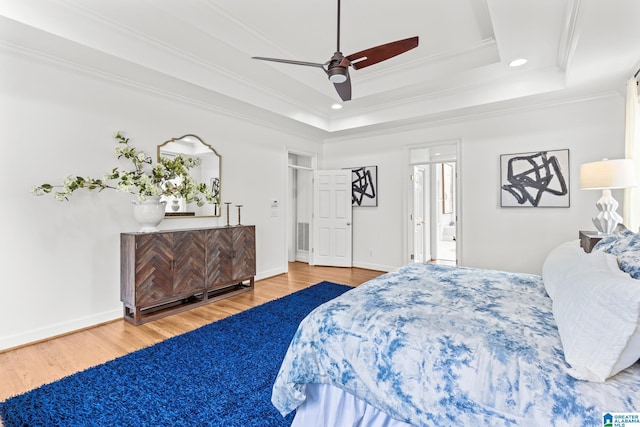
[208, 172]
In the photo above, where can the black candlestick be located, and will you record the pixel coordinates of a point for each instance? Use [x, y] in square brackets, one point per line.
[239, 206]
[228, 221]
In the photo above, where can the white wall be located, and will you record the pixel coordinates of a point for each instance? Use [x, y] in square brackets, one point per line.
[61, 266]
[511, 239]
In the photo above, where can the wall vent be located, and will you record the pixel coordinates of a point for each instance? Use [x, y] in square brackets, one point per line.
[303, 236]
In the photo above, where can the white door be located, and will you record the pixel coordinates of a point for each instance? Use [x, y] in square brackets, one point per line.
[418, 215]
[332, 218]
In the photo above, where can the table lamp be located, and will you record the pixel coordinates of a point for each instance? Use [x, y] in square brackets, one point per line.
[606, 175]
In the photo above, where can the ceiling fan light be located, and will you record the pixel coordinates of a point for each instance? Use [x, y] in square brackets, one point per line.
[337, 74]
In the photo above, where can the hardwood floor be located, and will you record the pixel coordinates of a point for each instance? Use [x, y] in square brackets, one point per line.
[30, 366]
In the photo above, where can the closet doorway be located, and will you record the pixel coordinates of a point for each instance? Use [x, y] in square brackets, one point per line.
[300, 167]
[433, 231]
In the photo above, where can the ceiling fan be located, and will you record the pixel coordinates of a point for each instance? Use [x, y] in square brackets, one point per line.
[337, 68]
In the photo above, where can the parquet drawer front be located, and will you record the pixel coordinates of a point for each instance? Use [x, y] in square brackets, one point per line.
[219, 257]
[153, 270]
[168, 265]
[244, 259]
[169, 271]
[189, 262]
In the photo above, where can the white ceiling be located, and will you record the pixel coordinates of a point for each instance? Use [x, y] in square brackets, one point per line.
[200, 50]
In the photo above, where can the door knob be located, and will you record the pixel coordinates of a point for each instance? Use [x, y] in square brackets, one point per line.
[348, 223]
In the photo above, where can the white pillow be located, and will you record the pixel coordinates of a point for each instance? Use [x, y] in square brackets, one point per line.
[557, 265]
[597, 310]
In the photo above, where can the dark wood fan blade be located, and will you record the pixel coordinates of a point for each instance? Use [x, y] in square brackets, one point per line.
[380, 53]
[344, 89]
[288, 61]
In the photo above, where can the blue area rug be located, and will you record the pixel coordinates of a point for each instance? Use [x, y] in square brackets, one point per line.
[218, 375]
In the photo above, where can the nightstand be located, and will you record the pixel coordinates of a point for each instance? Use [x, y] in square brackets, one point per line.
[588, 239]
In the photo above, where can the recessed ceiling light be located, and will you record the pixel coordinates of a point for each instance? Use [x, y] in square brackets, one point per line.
[336, 106]
[518, 62]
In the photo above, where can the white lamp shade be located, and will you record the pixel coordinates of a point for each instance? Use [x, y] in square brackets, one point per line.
[607, 174]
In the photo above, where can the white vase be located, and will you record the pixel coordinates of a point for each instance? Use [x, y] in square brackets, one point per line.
[149, 213]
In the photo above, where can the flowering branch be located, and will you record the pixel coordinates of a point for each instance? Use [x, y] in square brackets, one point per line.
[170, 177]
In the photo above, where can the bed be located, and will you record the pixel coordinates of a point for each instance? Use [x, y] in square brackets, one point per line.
[433, 345]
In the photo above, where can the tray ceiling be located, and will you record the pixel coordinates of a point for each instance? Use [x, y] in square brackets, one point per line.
[201, 50]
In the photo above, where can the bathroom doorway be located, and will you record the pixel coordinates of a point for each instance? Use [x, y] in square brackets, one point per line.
[433, 204]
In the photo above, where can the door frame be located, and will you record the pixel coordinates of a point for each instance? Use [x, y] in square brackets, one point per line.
[289, 218]
[425, 215]
[410, 162]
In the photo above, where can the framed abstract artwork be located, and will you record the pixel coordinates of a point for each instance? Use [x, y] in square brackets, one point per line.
[536, 179]
[364, 186]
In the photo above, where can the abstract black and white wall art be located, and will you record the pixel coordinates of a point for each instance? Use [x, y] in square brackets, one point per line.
[535, 179]
[364, 186]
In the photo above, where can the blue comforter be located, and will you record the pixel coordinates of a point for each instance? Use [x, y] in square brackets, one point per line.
[436, 345]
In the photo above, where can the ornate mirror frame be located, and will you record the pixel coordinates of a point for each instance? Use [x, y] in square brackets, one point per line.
[209, 172]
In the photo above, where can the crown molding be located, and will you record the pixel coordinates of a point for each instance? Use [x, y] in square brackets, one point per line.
[241, 111]
[570, 35]
[466, 114]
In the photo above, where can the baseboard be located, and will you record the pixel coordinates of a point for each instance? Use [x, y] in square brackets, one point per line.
[377, 267]
[269, 273]
[302, 256]
[52, 331]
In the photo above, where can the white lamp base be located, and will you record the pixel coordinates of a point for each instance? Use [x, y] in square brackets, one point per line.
[608, 219]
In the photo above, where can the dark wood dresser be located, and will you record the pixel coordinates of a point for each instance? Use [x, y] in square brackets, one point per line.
[166, 272]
